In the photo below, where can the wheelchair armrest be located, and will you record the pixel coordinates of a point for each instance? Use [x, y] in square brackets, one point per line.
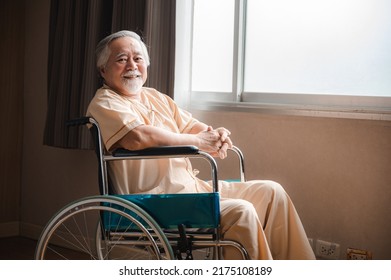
[168, 152]
[157, 151]
[78, 121]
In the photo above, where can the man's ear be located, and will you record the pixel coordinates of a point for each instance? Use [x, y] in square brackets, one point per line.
[102, 73]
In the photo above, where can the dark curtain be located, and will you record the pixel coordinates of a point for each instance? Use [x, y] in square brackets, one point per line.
[76, 26]
[160, 36]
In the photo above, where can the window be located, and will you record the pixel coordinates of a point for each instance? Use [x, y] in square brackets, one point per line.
[327, 46]
[213, 45]
[323, 55]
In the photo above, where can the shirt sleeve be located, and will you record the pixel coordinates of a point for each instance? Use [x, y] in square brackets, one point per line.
[114, 115]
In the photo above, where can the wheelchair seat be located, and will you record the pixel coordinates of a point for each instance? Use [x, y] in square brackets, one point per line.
[171, 210]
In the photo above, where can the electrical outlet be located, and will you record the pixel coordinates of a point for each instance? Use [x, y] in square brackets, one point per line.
[356, 254]
[327, 250]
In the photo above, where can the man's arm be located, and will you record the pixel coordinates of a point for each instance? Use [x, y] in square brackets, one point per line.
[216, 142]
[145, 136]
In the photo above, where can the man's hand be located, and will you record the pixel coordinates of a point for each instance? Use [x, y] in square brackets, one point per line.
[215, 141]
[225, 140]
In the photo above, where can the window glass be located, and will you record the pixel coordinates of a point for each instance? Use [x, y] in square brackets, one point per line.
[322, 46]
[213, 30]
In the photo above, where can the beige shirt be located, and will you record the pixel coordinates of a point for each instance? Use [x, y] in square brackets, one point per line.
[117, 115]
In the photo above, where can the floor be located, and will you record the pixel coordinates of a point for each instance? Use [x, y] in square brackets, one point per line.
[17, 248]
[21, 248]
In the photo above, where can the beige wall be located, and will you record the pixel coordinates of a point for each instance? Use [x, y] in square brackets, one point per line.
[11, 114]
[337, 171]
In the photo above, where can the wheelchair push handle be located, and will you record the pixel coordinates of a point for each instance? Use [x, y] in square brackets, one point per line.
[78, 121]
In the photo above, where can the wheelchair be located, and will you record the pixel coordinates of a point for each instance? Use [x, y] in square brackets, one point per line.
[138, 226]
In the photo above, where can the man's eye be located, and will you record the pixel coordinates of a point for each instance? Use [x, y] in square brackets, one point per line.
[122, 60]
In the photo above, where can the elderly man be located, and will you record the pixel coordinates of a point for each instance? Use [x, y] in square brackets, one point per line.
[258, 214]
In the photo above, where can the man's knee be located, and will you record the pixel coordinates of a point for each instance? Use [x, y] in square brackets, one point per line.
[269, 190]
[273, 186]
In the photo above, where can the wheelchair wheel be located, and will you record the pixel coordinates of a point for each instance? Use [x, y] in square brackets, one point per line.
[103, 227]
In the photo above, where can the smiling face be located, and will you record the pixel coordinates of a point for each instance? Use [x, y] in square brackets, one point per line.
[126, 69]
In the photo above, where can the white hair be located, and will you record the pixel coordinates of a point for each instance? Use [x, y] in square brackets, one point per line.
[103, 51]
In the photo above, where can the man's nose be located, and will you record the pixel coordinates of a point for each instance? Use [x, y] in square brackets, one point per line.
[132, 65]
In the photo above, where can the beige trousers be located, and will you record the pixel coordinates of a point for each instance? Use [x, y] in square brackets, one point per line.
[261, 216]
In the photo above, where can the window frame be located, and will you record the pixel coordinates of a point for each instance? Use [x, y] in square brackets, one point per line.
[301, 104]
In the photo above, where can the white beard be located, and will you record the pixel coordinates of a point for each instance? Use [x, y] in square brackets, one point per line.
[133, 85]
